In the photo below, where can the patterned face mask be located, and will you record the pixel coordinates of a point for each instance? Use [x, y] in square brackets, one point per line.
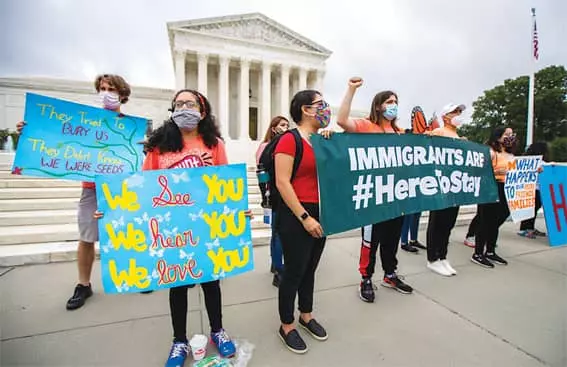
[323, 114]
[509, 141]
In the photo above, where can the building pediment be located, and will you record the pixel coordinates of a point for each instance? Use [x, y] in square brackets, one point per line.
[256, 28]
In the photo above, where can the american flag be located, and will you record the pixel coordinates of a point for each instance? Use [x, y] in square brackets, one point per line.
[535, 41]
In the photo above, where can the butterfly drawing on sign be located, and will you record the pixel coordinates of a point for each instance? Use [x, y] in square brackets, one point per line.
[144, 218]
[194, 217]
[171, 233]
[106, 248]
[221, 275]
[123, 288]
[156, 252]
[167, 216]
[215, 243]
[180, 177]
[183, 255]
[118, 223]
[227, 210]
[159, 218]
[242, 243]
[153, 275]
[135, 180]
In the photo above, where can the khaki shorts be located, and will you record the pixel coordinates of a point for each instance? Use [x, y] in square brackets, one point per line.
[88, 225]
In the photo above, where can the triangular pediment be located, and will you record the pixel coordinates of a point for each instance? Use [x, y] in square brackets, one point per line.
[254, 27]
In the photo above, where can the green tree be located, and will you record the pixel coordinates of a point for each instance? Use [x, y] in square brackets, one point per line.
[507, 104]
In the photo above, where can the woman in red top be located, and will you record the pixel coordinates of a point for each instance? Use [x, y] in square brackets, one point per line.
[386, 235]
[298, 219]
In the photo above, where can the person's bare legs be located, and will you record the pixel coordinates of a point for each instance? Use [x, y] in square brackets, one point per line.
[85, 260]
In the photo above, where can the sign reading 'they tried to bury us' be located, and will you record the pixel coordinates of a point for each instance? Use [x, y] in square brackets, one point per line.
[167, 228]
[73, 141]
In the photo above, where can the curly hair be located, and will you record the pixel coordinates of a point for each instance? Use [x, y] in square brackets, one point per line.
[116, 81]
[168, 138]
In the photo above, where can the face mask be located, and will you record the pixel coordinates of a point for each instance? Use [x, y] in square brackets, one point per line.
[280, 130]
[109, 100]
[457, 121]
[186, 119]
[323, 115]
[391, 112]
[508, 141]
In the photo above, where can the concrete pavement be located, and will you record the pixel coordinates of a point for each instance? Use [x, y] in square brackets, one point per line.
[507, 316]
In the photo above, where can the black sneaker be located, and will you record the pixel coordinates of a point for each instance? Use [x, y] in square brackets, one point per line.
[277, 279]
[366, 290]
[293, 341]
[272, 269]
[314, 328]
[396, 283]
[418, 245]
[482, 261]
[495, 258]
[80, 295]
[409, 248]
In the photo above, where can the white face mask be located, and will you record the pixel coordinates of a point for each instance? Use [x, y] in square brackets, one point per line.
[457, 121]
[109, 100]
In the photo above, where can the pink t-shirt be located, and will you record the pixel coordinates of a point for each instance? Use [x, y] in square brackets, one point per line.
[260, 151]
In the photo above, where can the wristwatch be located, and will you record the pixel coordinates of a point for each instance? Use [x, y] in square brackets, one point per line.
[304, 216]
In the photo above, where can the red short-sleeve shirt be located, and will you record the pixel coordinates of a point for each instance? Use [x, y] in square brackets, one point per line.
[305, 181]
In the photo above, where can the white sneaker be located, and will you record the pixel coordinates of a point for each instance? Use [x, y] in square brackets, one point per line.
[448, 266]
[470, 241]
[439, 268]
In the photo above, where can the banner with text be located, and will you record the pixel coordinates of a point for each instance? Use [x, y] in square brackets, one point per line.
[520, 186]
[167, 228]
[553, 191]
[370, 178]
[72, 141]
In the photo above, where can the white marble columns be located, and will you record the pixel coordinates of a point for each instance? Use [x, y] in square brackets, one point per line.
[223, 91]
[244, 99]
[202, 73]
[266, 98]
[179, 70]
[284, 90]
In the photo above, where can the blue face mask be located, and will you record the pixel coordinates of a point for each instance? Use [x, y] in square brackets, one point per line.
[391, 112]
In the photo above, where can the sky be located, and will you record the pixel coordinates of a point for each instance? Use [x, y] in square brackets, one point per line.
[430, 52]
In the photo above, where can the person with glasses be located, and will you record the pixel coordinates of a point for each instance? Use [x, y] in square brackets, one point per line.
[298, 219]
[386, 235]
[188, 139]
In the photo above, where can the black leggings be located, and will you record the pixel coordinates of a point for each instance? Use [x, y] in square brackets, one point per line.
[385, 235]
[178, 307]
[441, 223]
[302, 253]
[490, 217]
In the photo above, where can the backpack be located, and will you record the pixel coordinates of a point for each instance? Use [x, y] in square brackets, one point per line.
[271, 195]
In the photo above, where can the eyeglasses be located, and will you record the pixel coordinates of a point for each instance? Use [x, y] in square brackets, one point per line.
[319, 104]
[192, 105]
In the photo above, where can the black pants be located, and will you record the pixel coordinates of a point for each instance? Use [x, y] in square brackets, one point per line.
[472, 226]
[385, 235]
[490, 217]
[178, 308]
[529, 224]
[302, 253]
[441, 223]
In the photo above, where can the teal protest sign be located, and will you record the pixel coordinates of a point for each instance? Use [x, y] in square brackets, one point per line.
[369, 178]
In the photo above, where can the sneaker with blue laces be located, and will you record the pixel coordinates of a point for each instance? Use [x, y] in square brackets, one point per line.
[177, 355]
[224, 345]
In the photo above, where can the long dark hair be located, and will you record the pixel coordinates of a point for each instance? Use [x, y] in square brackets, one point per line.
[300, 99]
[376, 108]
[494, 137]
[168, 138]
[539, 148]
[270, 134]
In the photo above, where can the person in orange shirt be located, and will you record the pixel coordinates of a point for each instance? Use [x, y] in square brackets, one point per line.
[441, 222]
[113, 91]
[386, 235]
[492, 215]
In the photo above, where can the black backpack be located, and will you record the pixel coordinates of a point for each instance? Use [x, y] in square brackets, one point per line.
[271, 195]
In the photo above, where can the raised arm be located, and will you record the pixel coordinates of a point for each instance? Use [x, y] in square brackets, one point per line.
[344, 111]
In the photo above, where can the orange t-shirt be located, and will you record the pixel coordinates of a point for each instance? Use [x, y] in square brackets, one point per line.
[500, 161]
[367, 126]
[446, 132]
[194, 154]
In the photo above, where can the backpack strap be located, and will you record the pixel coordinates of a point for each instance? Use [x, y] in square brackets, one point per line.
[298, 151]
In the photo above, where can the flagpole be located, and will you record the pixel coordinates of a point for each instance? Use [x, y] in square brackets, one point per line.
[531, 89]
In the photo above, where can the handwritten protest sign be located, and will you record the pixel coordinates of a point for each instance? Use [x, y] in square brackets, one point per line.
[520, 186]
[168, 228]
[553, 191]
[370, 178]
[76, 142]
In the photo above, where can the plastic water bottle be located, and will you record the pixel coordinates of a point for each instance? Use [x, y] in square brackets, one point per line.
[263, 182]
